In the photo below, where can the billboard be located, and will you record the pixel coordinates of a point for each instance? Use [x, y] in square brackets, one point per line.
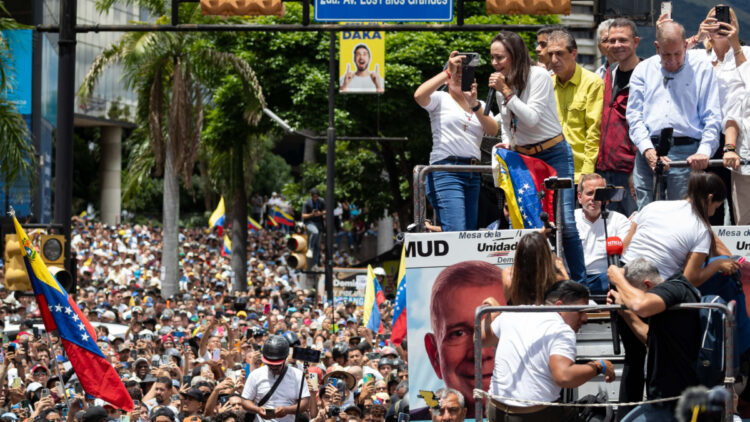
[448, 275]
[362, 62]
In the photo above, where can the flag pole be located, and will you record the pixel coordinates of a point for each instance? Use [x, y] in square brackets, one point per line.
[57, 368]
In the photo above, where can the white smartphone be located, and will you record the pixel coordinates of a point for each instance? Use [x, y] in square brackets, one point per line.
[666, 7]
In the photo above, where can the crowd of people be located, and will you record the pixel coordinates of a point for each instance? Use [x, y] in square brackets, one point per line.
[196, 356]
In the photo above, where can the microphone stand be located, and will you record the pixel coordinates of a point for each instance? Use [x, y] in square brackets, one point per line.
[305, 365]
[613, 317]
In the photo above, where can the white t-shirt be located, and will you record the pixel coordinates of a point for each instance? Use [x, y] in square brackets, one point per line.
[667, 231]
[526, 340]
[535, 110]
[455, 132]
[592, 237]
[260, 382]
[362, 84]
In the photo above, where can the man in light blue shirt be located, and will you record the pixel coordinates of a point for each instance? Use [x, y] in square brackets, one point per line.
[676, 90]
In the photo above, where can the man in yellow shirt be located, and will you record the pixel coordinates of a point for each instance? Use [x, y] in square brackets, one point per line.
[579, 101]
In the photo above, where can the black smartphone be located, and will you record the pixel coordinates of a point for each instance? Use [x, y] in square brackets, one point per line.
[469, 62]
[609, 193]
[134, 354]
[11, 347]
[223, 398]
[722, 14]
[256, 346]
[77, 387]
[186, 379]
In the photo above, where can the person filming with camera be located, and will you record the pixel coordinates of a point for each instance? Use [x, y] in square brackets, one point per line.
[458, 123]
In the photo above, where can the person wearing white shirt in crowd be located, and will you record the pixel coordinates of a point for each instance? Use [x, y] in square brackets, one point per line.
[284, 399]
[591, 230]
[458, 122]
[536, 357]
[728, 57]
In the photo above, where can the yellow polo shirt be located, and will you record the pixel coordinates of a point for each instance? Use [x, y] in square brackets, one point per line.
[579, 108]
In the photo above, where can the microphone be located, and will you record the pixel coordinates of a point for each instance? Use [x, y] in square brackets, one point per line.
[489, 102]
[614, 250]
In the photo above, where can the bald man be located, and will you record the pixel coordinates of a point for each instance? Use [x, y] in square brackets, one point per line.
[675, 90]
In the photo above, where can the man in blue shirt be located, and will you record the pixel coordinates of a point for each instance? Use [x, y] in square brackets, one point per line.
[675, 90]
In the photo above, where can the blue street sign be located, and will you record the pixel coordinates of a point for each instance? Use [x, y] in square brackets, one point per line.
[383, 10]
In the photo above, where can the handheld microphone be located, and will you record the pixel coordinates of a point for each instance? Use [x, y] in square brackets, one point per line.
[614, 250]
[489, 102]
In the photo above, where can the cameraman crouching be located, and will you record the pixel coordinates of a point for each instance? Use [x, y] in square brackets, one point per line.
[672, 337]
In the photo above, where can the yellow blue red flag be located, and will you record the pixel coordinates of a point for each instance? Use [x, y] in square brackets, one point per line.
[521, 178]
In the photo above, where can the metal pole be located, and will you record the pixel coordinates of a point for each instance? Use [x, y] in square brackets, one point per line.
[65, 107]
[330, 165]
[729, 359]
[57, 368]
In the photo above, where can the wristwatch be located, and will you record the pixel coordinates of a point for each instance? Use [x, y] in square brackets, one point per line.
[476, 107]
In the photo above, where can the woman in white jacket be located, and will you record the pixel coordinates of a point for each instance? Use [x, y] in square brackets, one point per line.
[729, 59]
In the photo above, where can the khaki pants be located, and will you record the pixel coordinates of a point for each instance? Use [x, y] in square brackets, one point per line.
[548, 414]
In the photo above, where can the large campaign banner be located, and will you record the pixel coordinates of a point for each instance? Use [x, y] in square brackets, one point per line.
[448, 275]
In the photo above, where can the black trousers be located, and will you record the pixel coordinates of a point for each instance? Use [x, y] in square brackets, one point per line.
[633, 377]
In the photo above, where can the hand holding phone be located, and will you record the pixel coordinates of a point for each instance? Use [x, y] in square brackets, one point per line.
[270, 412]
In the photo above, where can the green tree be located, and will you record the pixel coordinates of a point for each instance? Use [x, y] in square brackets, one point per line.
[168, 71]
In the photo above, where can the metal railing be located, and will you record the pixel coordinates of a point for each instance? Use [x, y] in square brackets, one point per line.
[728, 311]
[421, 171]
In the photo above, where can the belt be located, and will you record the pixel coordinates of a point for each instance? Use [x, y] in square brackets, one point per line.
[677, 140]
[537, 148]
[462, 160]
[516, 409]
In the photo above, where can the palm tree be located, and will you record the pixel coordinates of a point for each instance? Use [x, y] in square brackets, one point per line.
[167, 71]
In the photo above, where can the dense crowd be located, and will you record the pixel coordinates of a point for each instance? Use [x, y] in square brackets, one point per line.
[188, 357]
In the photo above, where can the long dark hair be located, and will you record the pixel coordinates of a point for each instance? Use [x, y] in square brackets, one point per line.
[700, 186]
[533, 270]
[519, 55]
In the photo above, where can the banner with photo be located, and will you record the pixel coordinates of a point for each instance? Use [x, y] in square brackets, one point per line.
[448, 275]
[362, 62]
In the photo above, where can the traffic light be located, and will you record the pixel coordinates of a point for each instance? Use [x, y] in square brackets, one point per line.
[16, 277]
[242, 7]
[53, 249]
[297, 244]
[528, 7]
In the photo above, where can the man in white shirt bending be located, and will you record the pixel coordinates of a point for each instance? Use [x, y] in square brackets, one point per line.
[591, 230]
[536, 355]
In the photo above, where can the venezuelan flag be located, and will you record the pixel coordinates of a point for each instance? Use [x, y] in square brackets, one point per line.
[217, 217]
[398, 333]
[272, 222]
[282, 218]
[227, 247]
[253, 225]
[371, 316]
[60, 312]
[522, 178]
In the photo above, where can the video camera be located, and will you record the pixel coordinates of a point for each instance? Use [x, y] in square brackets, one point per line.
[306, 354]
[710, 405]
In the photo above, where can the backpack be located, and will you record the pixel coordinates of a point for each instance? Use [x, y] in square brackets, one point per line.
[710, 366]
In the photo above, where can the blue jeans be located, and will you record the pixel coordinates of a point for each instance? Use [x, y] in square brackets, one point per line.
[651, 413]
[725, 287]
[674, 182]
[598, 284]
[348, 235]
[313, 242]
[455, 198]
[560, 157]
[627, 206]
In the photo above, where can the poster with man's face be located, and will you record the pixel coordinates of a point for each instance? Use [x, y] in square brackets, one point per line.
[448, 275]
[362, 62]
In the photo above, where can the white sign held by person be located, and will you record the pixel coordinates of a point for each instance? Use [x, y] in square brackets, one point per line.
[345, 291]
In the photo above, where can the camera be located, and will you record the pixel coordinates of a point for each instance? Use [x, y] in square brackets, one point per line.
[556, 183]
[333, 411]
[609, 193]
[306, 354]
[468, 63]
[710, 404]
